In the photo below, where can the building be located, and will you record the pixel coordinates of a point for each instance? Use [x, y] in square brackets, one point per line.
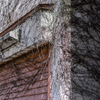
[45, 50]
[27, 56]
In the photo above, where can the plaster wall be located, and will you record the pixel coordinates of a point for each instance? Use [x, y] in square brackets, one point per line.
[34, 29]
[31, 33]
[12, 10]
[85, 47]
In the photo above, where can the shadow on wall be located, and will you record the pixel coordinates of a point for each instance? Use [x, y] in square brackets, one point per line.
[85, 21]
